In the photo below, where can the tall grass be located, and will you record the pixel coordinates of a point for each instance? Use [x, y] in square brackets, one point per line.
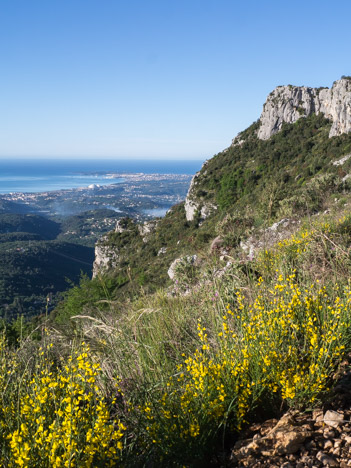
[168, 380]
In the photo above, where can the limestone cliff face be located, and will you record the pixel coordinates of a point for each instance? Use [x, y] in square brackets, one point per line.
[194, 204]
[106, 258]
[290, 103]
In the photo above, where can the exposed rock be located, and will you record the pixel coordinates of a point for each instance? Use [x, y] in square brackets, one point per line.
[162, 251]
[123, 224]
[290, 103]
[147, 229]
[193, 204]
[327, 460]
[105, 257]
[333, 418]
[173, 268]
[267, 238]
[341, 161]
[297, 438]
[188, 259]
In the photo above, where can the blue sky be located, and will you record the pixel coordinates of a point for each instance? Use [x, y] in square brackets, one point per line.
[155, 79]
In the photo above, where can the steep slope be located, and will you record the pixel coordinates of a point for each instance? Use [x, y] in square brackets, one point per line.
[253, 337]
[29, 223]
[246, 187]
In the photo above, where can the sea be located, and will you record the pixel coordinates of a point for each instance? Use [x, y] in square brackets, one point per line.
[43, 175]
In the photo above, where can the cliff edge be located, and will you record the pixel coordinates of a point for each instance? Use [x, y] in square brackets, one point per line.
[290, 103]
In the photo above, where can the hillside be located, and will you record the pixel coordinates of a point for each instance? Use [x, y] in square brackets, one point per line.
[41, 257]
[238, 192]
[218, 335]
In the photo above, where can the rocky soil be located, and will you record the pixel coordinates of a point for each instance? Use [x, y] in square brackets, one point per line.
[316, 438]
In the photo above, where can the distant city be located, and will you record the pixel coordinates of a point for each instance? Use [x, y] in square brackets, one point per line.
[139, 195]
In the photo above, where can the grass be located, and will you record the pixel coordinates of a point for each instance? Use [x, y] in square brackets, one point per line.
[171, 380]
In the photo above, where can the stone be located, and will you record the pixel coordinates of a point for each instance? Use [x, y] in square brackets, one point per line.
[105, 257]
[289, 442]
[162, 251]
[193, 204]
[333, 418]
[336, 452]
[147, 229]
[328, 444]
[329, 433]
[172, 270]
[327, 460]
[290, 103]
[317, 415]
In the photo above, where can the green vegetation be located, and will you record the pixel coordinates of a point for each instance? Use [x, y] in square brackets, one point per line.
[278, 171]
[41, 257]
[32, 269]
[30, 223]
[254, 183]
[127, 371]
[171, 380]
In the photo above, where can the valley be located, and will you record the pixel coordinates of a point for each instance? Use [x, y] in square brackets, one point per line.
[47, 239]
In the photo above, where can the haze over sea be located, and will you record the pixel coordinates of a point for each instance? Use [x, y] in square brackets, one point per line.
[38, 175]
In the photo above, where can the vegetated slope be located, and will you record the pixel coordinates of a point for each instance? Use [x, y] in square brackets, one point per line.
[171, 379]
[39, 256]
[7, 206]
[179, 377]
[29, 223]
[88, 226]
[252, 184]
[277, 174]
[31, 269]
[33, 264]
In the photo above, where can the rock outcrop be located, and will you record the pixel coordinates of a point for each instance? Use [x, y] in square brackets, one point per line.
[147, 229]
[193, 204]
[290, 103]
[105, 257]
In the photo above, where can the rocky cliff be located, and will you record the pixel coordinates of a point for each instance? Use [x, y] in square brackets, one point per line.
[196, 205]
[285, 104]
[290, 103]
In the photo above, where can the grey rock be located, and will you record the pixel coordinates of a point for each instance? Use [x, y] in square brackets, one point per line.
[193, 204]
[146, 230]
[105, 257]
[290, 103]
[333, 418]
[172, 270]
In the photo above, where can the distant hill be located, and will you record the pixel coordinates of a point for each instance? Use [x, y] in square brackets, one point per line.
[29, 223]
[32, 269]
[13, 207]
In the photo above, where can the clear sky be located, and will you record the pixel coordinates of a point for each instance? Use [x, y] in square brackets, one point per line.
[155, 79]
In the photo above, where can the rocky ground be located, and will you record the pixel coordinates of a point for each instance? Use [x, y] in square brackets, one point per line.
[318, 438]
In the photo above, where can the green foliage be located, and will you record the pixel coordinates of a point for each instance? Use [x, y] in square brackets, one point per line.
[31, 269]
[29, 223]
[268, 335]
[288, 160]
